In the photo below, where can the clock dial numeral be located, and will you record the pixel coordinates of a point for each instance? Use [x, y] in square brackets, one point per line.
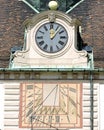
[51, 26]
[39, 37]
[57, 47]
[61, 31]
[41, 43]
[45, 47]
[62, 37]
[51, 49]
[41, 31]
[46, 29]
[61, 43]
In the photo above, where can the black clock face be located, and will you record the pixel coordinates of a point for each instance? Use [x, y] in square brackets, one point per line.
[51, 37]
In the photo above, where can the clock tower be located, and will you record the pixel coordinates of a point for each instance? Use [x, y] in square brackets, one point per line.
[52, 47]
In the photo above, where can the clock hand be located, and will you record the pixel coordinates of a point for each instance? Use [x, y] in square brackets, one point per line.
[52, 33]
[55, 32]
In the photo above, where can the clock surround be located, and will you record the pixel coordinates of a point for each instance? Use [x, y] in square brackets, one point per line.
[66, 42]
[33, 57]
[51, 37]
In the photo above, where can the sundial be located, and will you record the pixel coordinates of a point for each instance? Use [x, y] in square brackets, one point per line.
[50, 105]
[42, 5]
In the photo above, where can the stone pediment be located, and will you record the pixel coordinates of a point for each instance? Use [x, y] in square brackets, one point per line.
[45, 15]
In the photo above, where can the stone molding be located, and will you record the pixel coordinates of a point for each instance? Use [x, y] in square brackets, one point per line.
[50, 74]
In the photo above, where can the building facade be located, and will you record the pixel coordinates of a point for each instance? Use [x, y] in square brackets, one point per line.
[55, 88]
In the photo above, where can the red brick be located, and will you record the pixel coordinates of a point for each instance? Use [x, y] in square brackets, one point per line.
[13, 13]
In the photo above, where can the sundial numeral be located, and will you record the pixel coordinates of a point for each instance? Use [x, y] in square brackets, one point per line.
[29, 112]
[50, 119]
[57, 119]
[29, 104]
[29, 87]
[68, 118]
[72, 90]
[41, 43]
[73, 102]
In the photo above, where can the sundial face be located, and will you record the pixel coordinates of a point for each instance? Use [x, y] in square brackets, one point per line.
[42, 5]
[50, 105]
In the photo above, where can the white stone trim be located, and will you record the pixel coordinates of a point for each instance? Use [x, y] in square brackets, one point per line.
[1, 106]
[101, 107]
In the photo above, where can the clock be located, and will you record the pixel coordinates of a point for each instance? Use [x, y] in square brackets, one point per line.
[51, 34]
[51, 37]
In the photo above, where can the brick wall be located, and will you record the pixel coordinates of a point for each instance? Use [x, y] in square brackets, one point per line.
[91, 15]
[12, 15]
[14, 12]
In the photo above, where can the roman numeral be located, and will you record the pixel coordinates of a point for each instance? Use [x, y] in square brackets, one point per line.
[72, 90]
[39, 37]
[51, 26]
[51, 49]
[57, 27]
[50, 119]
[58, 119]
[62, 37]
[45, 28]
[45, 47]
[61, 43]
[30, 110]
[61, 31]
[41, 43]
[57, 47]
[41, 31]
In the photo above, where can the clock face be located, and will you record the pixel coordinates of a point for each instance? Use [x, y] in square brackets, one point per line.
[51, 37]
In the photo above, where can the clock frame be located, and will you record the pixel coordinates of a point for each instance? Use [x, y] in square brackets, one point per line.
[64, 44]
[51, 37]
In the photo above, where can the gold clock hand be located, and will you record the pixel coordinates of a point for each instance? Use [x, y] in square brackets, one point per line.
[52, 33]
[55, 32]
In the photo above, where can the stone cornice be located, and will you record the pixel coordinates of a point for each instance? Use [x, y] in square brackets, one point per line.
[51, 74]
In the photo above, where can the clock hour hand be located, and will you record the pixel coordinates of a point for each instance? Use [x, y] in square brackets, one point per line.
[53, 32]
